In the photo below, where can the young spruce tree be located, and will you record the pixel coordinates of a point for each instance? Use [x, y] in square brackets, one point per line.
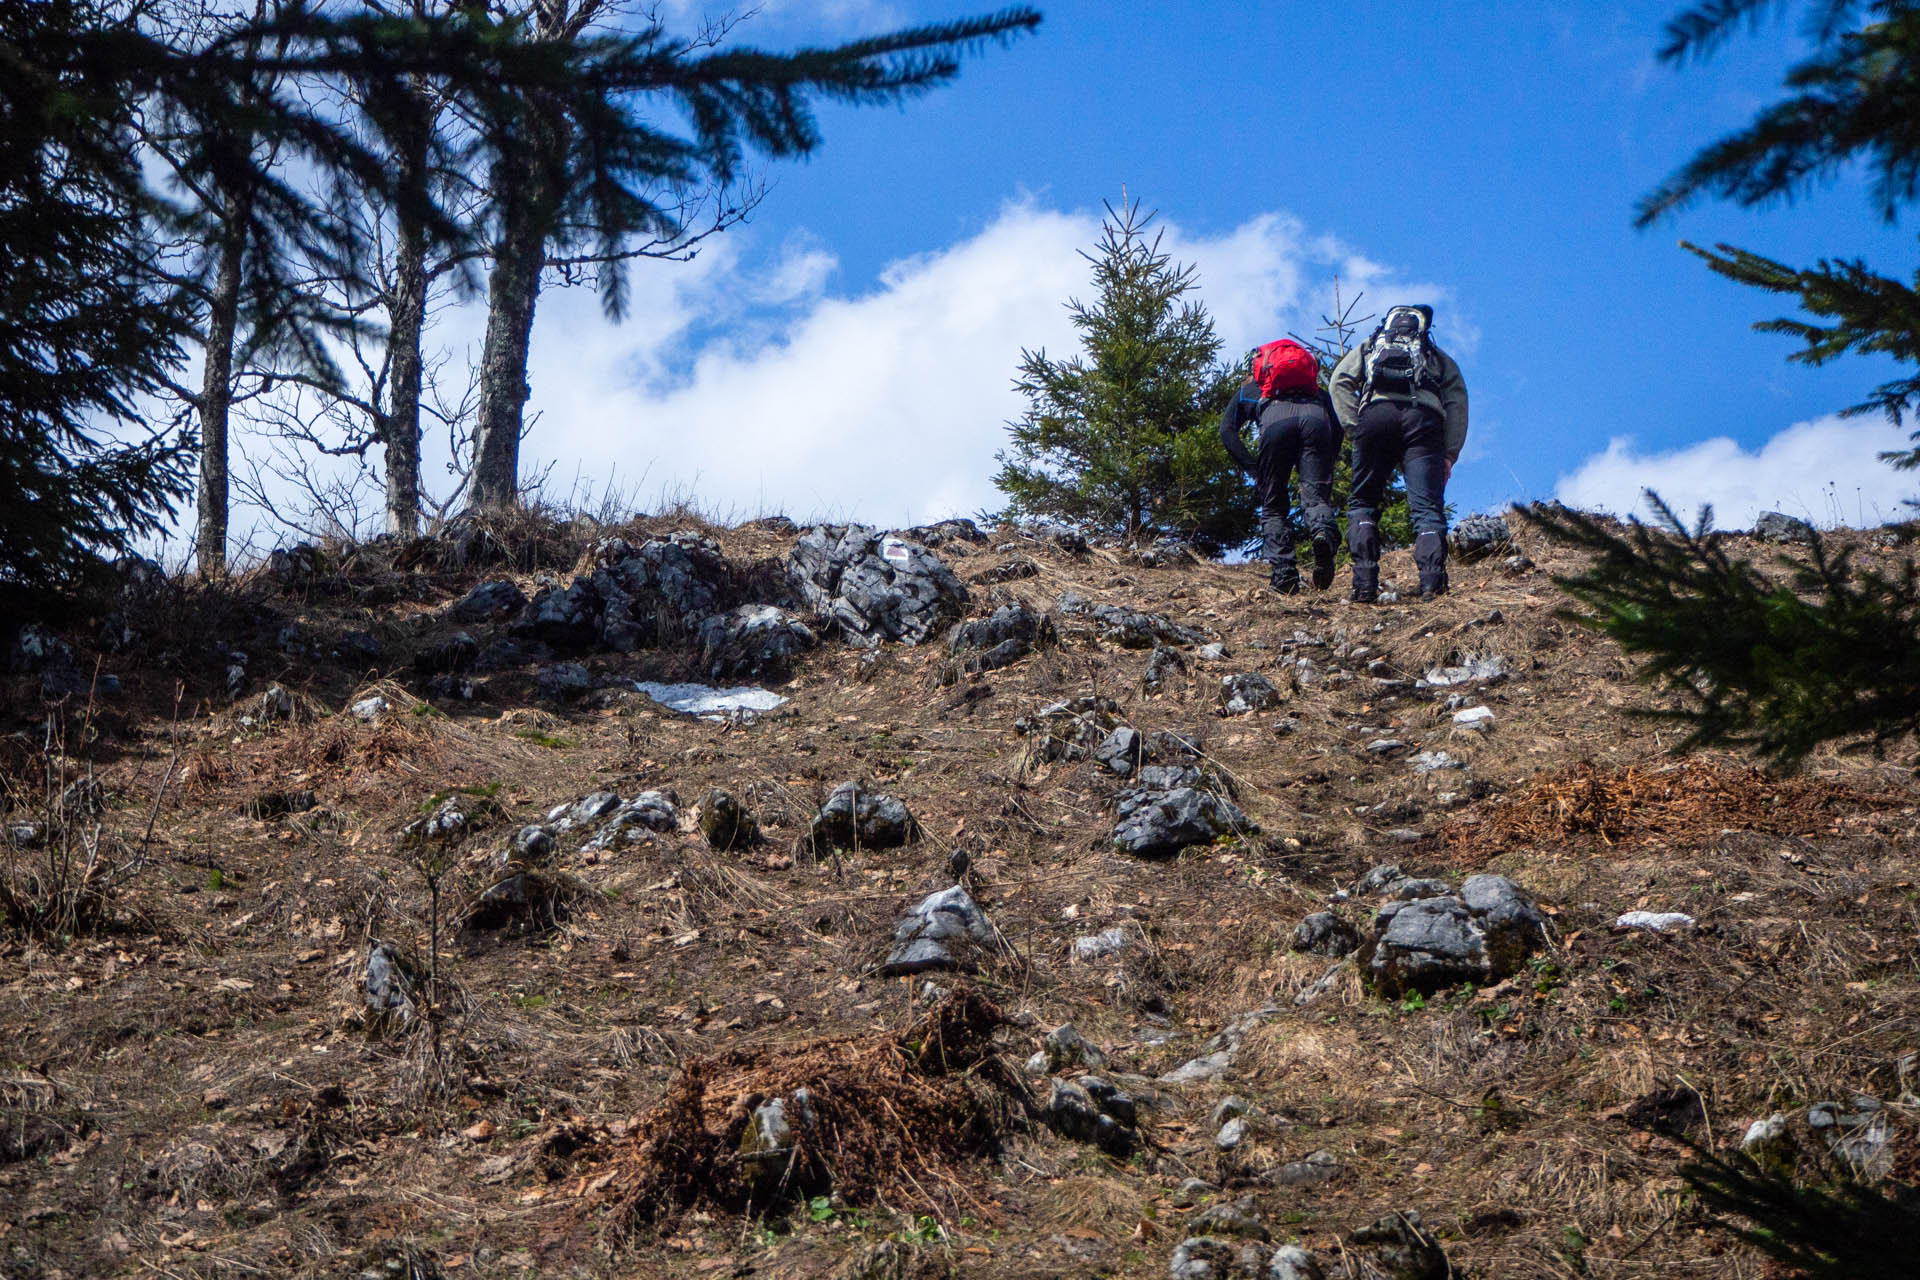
[1121, 438]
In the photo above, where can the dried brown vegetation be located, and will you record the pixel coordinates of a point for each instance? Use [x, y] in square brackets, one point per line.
[190, 1089]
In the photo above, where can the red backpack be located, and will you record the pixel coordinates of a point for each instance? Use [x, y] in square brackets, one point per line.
[1284, 366]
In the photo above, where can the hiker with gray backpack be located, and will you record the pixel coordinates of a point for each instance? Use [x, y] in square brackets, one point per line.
[1403, 401]
[1296, 427]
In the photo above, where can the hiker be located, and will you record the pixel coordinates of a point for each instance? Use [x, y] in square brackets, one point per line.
[1405, 404]
[1296, 427]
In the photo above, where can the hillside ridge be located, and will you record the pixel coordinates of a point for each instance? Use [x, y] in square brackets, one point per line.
[1054, 908]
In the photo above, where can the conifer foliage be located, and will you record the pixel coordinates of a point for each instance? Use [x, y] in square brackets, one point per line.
[83, 335]
[1826, 653]
[1781, 665]
[1855, 100]
[1122, 437]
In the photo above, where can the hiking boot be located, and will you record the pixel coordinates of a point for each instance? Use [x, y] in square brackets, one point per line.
[1434, 587]
[1366, 583]
[1286, 582]
[1322, 563]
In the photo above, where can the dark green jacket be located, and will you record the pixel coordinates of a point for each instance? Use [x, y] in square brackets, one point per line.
[1449, 401]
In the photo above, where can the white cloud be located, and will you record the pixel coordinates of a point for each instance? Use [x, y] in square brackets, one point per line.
[885, 405]
[1825, 471]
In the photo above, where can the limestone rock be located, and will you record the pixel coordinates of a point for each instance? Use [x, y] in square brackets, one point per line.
[725, 822]
[1480, 536]
[926, 938]
[754, 641]
[488, 601]
[1481, 934]
[1167, 822]
[869, 587]
[858, 817]
[1248, 692]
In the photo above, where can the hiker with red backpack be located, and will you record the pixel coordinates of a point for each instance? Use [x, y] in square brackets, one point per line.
[1405, 404]
[1296, 427]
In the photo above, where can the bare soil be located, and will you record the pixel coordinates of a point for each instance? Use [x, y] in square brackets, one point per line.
[189, 1086]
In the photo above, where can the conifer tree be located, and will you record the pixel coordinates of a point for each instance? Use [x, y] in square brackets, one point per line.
[1827, 654]
[583, 170]
[1122, 437]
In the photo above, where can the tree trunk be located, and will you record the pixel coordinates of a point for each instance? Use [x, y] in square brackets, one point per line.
[407, 312]
[512, 289]
[527, 188]
[216, 398]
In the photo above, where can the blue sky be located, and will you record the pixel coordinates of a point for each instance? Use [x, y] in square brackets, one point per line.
[849, 353]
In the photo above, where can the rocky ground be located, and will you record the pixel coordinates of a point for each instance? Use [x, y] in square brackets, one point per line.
[1081, 911]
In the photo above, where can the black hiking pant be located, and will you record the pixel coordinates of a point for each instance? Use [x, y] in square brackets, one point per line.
[1303, 436]
[1389, 436]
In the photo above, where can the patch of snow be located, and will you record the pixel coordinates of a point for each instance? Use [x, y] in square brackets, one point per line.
[742, 702]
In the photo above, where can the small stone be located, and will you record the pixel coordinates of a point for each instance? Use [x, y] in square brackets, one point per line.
[276, 704]
[1100, 945]
[1211, 1258]
[1474, 719]
[1164, 823]
[1247, 693]
[725, 822]
[1236, 1219]
[369, 709]
[1480, 536]
[1215, 652]
[1385, 746]
[489, 600]
[1433, 762]
[1112, 1100]
[1777, 526]
[1319, 1167]
[1400, 1245]
[1192, 1191]
[1066, 1047]
[1200, 1070]
[1232, 1134]
[564, 681]
[859, 817]
[1291, 1262]
[1227, 1108]
[533, 844]
[1655, 921]
[1325, 934]
[1072, 1112]
[1121, 751]
[593, 807]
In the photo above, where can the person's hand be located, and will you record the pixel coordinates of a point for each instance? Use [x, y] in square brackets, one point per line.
[1448, 473]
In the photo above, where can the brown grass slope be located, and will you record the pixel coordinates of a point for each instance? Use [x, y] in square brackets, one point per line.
[187, 1088]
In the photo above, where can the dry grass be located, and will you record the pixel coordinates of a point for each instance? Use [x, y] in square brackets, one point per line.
[893, 1116]
[1506, 1116]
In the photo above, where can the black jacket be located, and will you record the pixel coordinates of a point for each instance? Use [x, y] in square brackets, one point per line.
[1247, 406]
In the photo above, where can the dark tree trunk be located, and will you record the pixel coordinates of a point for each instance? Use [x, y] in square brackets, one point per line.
[407, 313]
[527, 188]
[216, 399]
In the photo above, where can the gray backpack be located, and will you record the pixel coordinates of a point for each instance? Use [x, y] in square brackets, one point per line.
[1399, 361]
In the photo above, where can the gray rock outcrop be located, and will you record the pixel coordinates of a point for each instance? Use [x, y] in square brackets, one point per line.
[753, 642]
[1158, 824]
[1480, 934]
[857, 817]
[944, 930]
[870, 587]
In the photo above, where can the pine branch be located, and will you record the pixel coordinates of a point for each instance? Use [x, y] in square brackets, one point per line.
[1784, 667]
